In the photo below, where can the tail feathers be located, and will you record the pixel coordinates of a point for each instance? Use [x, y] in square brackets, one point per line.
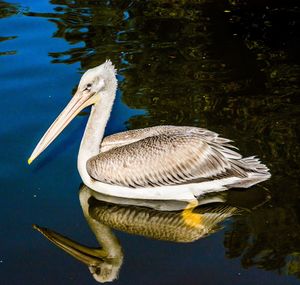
[255, 170]
[253, 164]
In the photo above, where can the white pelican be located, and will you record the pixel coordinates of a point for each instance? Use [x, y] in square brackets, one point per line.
[157, 163]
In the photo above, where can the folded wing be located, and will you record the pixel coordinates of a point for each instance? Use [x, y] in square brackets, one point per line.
[167, 156]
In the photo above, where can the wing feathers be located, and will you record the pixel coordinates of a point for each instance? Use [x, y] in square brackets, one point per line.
[166, 155]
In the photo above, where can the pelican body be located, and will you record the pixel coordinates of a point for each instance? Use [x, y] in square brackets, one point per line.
[156, 163]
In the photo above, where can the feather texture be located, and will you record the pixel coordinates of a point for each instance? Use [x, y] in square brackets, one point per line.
[168, 155]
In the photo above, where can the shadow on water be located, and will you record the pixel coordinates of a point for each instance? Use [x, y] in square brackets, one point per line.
[230, 66]
[171, 221]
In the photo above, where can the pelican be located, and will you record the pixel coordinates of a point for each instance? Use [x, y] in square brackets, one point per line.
[155, 163]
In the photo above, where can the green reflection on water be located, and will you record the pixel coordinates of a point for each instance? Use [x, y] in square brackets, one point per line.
[7, 10]
[235, 72]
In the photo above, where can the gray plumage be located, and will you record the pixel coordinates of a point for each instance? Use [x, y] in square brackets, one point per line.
[168, 155]
[177, 226]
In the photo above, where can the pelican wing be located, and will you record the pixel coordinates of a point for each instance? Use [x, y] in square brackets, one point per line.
[164, 156]
[127, 137]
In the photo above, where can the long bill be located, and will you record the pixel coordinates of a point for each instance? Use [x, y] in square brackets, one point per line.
[77, 103]
[87, 255]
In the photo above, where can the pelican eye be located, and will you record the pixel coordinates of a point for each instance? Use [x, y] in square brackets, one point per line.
[98, 271]
[88, 86]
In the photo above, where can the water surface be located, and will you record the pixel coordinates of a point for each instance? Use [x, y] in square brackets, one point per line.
[229, 66]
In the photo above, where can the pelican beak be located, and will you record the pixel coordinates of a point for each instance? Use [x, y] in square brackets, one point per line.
[89, 256]
[77, 103]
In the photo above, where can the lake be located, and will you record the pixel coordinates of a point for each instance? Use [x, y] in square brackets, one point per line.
[229, 66]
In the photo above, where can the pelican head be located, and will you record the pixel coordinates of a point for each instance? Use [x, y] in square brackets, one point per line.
[92, 90]
[102, 267]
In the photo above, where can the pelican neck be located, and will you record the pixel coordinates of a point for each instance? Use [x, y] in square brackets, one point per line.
[94, 131]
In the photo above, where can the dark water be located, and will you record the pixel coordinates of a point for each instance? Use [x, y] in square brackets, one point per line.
[229, 66]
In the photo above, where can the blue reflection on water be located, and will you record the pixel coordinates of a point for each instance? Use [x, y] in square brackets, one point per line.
[33, 92]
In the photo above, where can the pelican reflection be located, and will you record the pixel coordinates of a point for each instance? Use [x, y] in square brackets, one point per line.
[172, 221]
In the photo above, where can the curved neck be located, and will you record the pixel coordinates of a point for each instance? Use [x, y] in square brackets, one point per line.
[94, 131]
[111, 252]
[103, 233]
